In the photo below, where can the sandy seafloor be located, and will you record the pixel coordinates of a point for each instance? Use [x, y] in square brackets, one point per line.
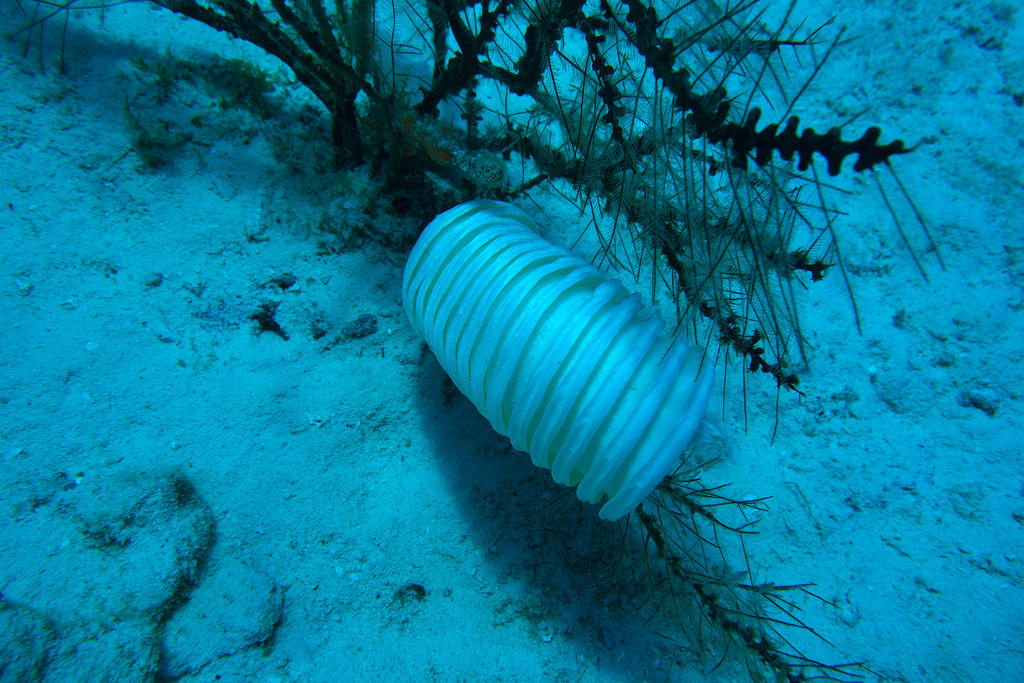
[181, 497]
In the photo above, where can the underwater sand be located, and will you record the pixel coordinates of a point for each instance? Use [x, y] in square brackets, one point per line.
[181, 496]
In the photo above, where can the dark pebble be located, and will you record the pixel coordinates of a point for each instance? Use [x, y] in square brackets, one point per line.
[363, 326]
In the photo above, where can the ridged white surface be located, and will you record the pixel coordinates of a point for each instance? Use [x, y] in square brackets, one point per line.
[557, 355]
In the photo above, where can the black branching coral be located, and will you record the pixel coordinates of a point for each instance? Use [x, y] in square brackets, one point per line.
[710, 113]
[662, 117]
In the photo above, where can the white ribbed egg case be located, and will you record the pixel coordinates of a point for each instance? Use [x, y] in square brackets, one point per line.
[556, 354]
